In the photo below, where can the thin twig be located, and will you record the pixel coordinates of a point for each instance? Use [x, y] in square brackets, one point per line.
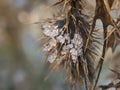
[90, 34]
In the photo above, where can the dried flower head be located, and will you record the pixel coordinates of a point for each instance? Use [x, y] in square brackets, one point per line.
[67, 42]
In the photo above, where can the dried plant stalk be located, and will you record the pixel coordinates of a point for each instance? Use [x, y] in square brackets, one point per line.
[74, 43]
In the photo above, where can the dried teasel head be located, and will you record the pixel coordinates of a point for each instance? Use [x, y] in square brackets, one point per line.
[66, 43]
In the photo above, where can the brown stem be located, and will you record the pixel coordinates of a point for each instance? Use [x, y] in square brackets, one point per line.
[90, 34]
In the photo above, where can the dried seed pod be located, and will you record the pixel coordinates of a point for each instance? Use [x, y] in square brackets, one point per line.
[68, 37]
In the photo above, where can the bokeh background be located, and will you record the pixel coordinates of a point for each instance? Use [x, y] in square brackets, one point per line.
[21, 66]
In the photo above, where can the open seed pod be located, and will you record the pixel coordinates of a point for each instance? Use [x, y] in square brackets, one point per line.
[66, 43]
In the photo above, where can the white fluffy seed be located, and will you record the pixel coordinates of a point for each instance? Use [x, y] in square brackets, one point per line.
[70, 46]
[61, 39]
[52, 57]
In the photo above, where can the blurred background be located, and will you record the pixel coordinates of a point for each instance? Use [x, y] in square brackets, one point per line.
[21, 66]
